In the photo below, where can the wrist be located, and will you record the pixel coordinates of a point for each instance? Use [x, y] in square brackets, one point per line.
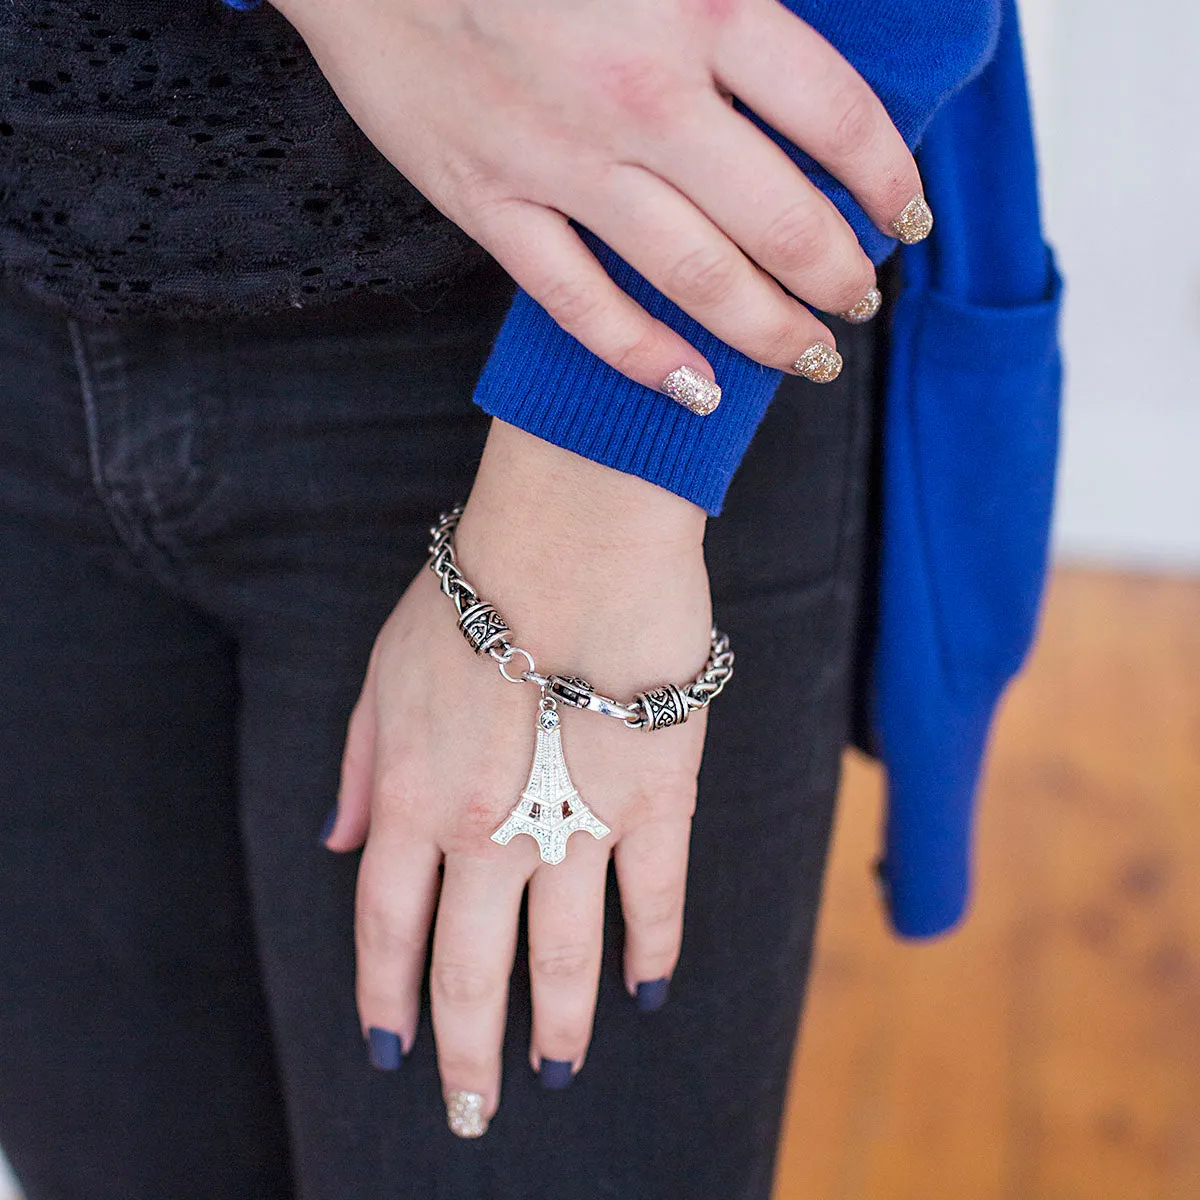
[558, 500]
[598, 571]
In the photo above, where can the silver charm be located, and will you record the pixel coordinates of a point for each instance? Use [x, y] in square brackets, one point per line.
[550, 809]
[663, 706]
[483, 626]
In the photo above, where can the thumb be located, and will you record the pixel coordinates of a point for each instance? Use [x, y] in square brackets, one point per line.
[352, 815]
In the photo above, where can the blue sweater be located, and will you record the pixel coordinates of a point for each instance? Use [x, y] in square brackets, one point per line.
[970, 446]
[970, 424]
[970, 418]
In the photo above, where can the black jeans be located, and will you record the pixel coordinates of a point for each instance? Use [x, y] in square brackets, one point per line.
[202, 528]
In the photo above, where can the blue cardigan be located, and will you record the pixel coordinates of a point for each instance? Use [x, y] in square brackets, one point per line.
[970, 447]
[970, 422]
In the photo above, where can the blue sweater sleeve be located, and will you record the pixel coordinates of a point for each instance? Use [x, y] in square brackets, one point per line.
[915, 57]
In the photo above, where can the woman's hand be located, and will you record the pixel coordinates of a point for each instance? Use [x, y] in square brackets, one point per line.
[600, 574]
[513, 115]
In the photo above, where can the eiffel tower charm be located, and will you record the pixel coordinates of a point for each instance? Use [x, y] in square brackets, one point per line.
[550, 809]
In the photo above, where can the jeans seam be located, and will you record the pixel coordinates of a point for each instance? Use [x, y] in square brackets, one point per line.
[118, 518]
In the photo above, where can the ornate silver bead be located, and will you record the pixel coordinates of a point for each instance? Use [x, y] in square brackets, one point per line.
[483, 626]
[663, 707]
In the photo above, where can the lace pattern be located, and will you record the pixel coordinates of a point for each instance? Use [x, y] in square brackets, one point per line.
[177, 157]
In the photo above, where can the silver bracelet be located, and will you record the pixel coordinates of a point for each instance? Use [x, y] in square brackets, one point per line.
[550, 808]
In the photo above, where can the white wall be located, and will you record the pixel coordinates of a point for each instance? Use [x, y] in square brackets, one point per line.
[1116, 90]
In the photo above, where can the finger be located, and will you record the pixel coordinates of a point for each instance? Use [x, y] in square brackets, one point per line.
[752, 191]
[651, 863]
[541, 251]
[678, 249]
[473, 946]
[394, 902]
[352, 814]
[790, 76]
[566, 938]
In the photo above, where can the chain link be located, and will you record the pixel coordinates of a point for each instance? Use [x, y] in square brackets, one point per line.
[485, 629]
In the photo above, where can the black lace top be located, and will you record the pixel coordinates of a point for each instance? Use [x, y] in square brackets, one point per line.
[178, 157]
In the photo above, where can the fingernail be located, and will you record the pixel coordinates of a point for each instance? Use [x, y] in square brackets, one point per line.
[820, 363]
[327, 828]
[914, 223]
[464, 1114]
[652, 994]
[555, 1074]
[384, 1049]
[865, 309]
[692, 390]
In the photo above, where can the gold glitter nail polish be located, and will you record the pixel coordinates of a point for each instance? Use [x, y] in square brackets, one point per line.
[865, 309]
[820, 363]
[464, 1114]
[914, 223]
[692, 390]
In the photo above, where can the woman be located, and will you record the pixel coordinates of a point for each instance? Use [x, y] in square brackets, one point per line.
[240, 356]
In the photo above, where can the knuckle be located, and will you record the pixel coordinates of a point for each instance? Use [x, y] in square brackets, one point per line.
[853, 122]
[477, 818]
[657, 913]
[720, 12]
[472, 195]
[641, 92]
[703, 276]
[573, 303]
[796, 239]
[473, 185]
[381, 934]
[460, 984]
[562, 964]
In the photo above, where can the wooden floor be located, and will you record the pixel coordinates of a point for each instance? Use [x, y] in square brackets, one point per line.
[1050, 1049]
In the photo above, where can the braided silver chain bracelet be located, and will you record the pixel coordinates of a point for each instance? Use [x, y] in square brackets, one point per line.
[550, 808]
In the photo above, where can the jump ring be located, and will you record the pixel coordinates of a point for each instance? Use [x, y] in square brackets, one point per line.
[508, 658]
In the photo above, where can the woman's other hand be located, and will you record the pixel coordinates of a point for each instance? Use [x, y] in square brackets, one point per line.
[599, 574]
[513, 115]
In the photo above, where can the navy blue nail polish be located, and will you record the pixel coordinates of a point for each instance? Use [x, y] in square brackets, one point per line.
[555, 1074]
[327, 828]
[652, 994]
[384, 1049]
